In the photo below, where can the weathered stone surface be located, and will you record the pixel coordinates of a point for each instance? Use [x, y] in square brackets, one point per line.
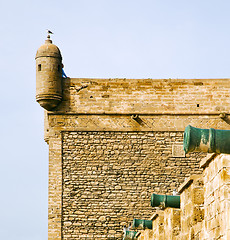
[205, 205]
[104, 187]
[127, 96]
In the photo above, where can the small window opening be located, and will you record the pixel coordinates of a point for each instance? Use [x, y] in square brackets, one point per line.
[39, 67]
[59, 68]
[198, 105]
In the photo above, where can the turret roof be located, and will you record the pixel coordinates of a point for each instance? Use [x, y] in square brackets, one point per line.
[48, 50]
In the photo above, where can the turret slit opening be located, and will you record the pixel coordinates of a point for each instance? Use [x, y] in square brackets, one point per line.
[39, 67]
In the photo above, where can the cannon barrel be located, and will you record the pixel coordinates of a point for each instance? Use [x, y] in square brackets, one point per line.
[130, 235]
[142, 224]
[206, 140]
[165, 200]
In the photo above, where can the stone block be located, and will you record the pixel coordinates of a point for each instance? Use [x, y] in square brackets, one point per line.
[171, 222]
[198, 196]
[197, 215]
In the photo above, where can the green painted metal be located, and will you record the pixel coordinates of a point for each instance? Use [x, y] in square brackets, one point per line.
[142, 224]
[206, 140]
[130, 235]
[165, 200]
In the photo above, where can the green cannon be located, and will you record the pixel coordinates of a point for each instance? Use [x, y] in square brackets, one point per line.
[165, 201]
[130, 235]
[142, 224]
[206, 140]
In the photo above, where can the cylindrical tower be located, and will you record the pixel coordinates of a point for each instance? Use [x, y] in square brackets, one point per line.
[48, 75]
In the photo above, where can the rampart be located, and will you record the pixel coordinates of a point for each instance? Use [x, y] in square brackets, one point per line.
[113, 142]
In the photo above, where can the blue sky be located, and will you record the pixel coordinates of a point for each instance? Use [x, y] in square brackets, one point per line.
[98, 39]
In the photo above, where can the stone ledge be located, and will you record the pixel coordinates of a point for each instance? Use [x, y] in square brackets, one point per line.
[188, 182]
[205, 161]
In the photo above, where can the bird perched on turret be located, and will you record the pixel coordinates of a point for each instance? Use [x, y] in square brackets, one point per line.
[49, 32]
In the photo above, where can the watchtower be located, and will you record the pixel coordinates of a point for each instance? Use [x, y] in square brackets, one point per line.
[48, 75]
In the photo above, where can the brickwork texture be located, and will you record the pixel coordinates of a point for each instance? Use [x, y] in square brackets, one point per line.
[108, 178]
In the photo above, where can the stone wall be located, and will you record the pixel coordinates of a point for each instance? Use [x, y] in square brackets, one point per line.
[112, 142]
[145, 96]
[108, 178]
[205, 205]
[192, 207]
[115, 141]
[217, 197]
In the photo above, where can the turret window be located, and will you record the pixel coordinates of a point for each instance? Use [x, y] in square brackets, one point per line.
[39, 67]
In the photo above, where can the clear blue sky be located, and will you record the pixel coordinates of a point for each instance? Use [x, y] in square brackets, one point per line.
[97, 38]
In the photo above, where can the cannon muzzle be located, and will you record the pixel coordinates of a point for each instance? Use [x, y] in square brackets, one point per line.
[142, 224]
[206, 140]
[130, 235]
[165, 201]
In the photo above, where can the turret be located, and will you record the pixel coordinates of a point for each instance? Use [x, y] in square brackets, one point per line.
[48, 75]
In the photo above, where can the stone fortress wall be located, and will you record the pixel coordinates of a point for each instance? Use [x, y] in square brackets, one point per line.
[204, 211]
[113, 142]
[108, 178]
[113, 155]
[145, 96]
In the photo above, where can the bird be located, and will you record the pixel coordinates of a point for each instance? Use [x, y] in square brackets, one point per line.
[49, 32]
